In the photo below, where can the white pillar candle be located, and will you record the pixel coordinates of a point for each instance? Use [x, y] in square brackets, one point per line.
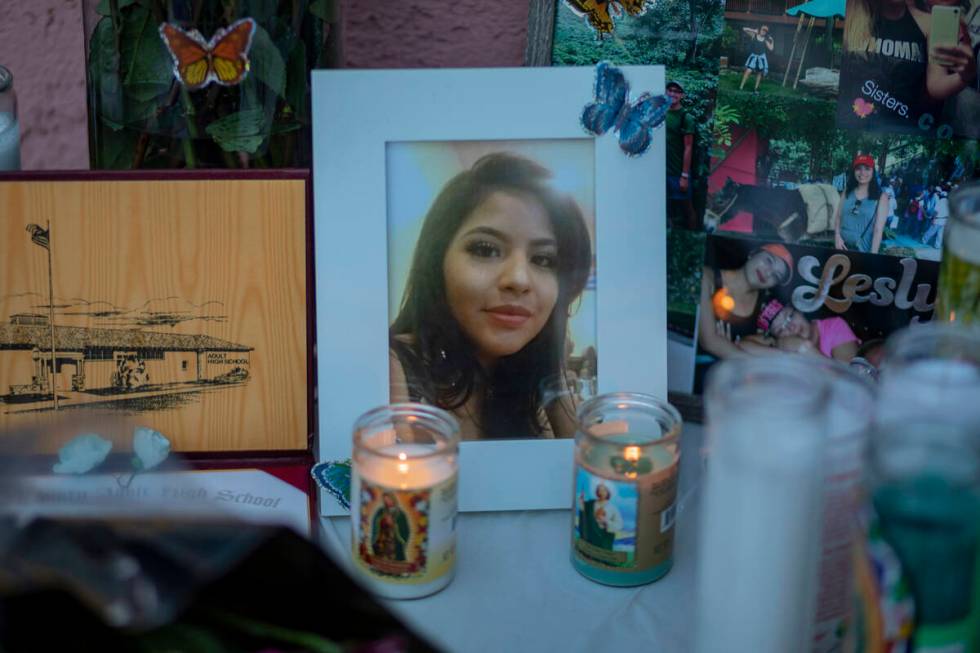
[403, 500]
[759, 540]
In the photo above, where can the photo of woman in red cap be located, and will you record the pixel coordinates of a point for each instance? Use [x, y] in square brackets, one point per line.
[732, 299]
[860, 217]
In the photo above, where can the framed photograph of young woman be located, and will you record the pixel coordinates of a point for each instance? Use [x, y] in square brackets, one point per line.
[478, 250]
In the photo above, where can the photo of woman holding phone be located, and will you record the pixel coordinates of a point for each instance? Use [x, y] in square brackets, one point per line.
[910, 67]
[883, 75]
[951, 76]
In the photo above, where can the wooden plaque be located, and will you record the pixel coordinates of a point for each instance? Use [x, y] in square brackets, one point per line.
[176, 302]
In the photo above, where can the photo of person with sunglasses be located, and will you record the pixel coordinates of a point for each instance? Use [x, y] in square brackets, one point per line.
[860, 217]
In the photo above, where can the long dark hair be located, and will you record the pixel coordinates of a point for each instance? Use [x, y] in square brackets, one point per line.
[874, 188]
[440, 361]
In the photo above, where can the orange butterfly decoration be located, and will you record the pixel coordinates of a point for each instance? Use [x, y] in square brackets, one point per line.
[598, 14]
[223, 59]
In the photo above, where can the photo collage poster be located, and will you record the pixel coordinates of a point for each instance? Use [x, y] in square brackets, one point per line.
[829, 136]
[684, 36]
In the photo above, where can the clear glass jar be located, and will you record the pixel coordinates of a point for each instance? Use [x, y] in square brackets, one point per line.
[958, 297]
[403, 499]
[9, 125]
[924, 478]
[627, 455]
[930, 370]
[762, 498]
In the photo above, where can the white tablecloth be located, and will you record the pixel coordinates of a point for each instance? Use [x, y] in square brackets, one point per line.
[515, 589]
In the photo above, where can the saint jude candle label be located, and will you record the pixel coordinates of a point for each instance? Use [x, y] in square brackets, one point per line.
[624, 525]
[404, 536]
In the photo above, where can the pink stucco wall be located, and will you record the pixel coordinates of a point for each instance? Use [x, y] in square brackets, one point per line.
[41, 44]
[41, 41]
[434, 33]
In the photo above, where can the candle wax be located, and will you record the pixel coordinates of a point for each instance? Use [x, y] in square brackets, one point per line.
[758, 550]
[408, 473]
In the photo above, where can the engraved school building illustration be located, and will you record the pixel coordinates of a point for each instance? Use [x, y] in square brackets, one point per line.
[95, 365]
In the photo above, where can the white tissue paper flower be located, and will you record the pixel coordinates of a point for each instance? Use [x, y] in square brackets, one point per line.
[151, 447]
[82, 453]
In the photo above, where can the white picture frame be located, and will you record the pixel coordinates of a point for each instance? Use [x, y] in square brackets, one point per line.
[356, 114]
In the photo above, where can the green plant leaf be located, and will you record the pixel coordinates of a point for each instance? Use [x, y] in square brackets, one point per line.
[297, 81]
[103, 8]
[146, 64]
[105, 95]
[267, 63]
[115, 149]
[325, 10]
[239, 132]
[283, 127]
[261, 10]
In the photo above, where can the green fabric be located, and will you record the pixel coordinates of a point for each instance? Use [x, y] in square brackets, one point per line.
[933, 526]
[590, 530]
[388, 536]
[679, 123]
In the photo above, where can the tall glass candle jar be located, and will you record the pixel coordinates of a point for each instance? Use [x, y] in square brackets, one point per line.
[924, 477]
[9, 127]
[930, 370]
[627, 454]
[761, 509]
[958, 297]
[850, 410]
[403, 499]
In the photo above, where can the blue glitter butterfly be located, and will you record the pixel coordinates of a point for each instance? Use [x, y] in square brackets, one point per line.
[612, 110]
[334, 477]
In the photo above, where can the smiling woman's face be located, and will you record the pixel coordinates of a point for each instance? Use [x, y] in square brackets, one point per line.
[501, 274]
[863, 174]
[765, 270]
[790, 322]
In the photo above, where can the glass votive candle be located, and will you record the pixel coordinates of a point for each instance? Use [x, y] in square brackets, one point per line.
[9, 127]
[627, 454]
[403, 499]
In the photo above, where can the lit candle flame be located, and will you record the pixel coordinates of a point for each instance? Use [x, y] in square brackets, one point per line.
[632, 454]
[403, 466]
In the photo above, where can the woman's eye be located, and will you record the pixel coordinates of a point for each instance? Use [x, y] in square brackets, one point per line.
[483, 249]
[545, 260]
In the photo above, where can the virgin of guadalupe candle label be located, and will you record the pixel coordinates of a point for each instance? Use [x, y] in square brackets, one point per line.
[624, 525]
[405, 536]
